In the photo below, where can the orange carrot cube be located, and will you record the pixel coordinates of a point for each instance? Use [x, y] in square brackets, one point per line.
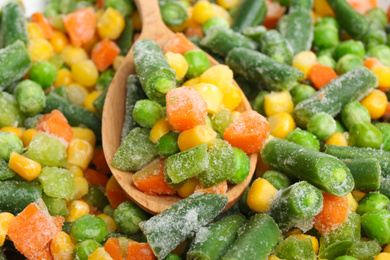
[100, 161]
[104, 54]
[220, 188]
[43, 23]
[80, 25]
[114, 193]
[179, 44]
[56, 124]
[95, 178]
[321, 75]
[139, 251]
[113, 248]
[371, 62]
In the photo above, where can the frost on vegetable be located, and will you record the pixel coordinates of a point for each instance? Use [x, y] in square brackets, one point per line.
[57, 182]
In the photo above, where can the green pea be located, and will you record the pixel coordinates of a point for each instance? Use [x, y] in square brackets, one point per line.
[354, 112]
[381, 52]
[9, 143]
[326, 52]
[44, 73]
[301, 92]
[377, 16]
[327, 61]
[243, 165]
[363, 134]
[167, 145]
[374, 37]
[385, 130]
[258, 104]
[96, 197]
[304, 138]
[279, 180]
[88, 227]
[84, 249]
[56, 207]
[128, 215]
[124, 7]
[372, 202]
[197, 63]
[173, 13]
[347, 63]
[376, 225]
[322, 125]
[349, 47]
[364, 250]
[31, 98]
[50, 10]
[222, 119]
[172, 256]
[329, 20]
[325, 36]
[346, 257]
[214, 21]
[147, 112]
[57, 182]
[10, 113]
[109, 210]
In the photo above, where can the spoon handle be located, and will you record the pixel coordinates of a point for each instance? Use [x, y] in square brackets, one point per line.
[150, 14]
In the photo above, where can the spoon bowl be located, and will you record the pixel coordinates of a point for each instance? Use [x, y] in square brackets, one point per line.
[153, 28]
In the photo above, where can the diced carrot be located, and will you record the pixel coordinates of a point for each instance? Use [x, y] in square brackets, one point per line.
[56, 124]
[220, 188]
[93, 210]
[363, 6]
[321, 75]
[100, 4]
[274, 12]
[195, 30]
[43, 23]
[80, 25]
[139, 251]
[95, 178]
[248, 132]
[114, 193]
[104, 54]
[58, 221]
[43, 254]
[31, 230]
[100, 161]
[386, 115]
[113, 248]
[179, 44]
[371, 62]
[185, 108]
[334, 212]
[151, 181]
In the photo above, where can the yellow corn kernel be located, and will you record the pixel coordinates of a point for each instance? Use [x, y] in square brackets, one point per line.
[376, 103]
[228, 4]
[304, 61]
[322, 8]
[64, 78]
[232, 98]
[273, 257]
[383, 74]
[118, 62]
[75, 170]
[352, 204]
[61, 246]
[337, 139]
[387, 248]
[358, 195]
[100, 254]
[39, 50]
[81, 187]
[110, 223]
[200, 134]
[314, 240]
[73, 54]
[25, 167]
[277, 102]
[88, 102]
[281, 124]
[293, 231]
[188, 188]
[178, 63]
[382, 256]
[77, 93]
[85, 73]
[212, 95]
[123, 244]
[192, 82]
[217, 75]
[28, 135]
[59, 40]
[16, 131]
[235, 115]
[137, 22]
[85, 134]
[34, 31]
[5, 219]
[159, 129]
[260, 195]
[80, 153]
[202, 11]
[111, 24]
[221, 12]
[76, 209]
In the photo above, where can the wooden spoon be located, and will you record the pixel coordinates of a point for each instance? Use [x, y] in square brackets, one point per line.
[114, 109]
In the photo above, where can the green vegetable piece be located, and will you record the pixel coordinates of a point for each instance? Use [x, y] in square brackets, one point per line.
[375, 36]
[47, 150]
[328, 20]
[109, 210]
[31, 122]
[299, 202]
[243, 205]
[213, 22]
[44, 73]
[105, 79]
[381, 52]
[377, 16]
[213, 241]
[10, 113]
[327, 61]
[258, 103]
[173, 13]
[376, 225]
[331, 99]
[279, 180]
[30, 97]
[172, 256]
[155, 74]
[84, 249]
[147, 112]
[372, 202]
[364, 250]
[9, 143]
[362, 134]
[243, 165]
[254, 32]
[88, 227]
[276, 46]
[95, 197]
[336, 249]
[99, 103]
[324, 172]
[384, 128]
[197, 63]
[322, 125]
[124, 7]
[384, 187]
[366, 172]
[257, 67]
[135, 151]
[256, 239]
[128, 215]
[57, 60]
[347, 63]
[5, 171]
[354, 112]
[222, 119]
[293, 249]
[249, 13]
[301, 92]
[349, 47]
[304, 138]
[325, 36]
[13, 24]
[126, 39]
[171, 227]
[15, 195]
[57, 182]
[187, 164]
[167, 144]
[346, 257]
[56, 207]
[340, 128]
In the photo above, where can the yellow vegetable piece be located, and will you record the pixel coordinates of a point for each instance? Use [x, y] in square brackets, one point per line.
[221, 12]
[28, 135]
[85, 134]
[85, 73]
[202, 11]
[188, 188]
[34, 31]
[277, 102]
[110, 223]
[59, 40]
[11, 129]
[118, 62]
[382, 256]
[228, 4]
[64, 78]
[200, 134]
[111, 24]
[232, 98]
[337, 139]
[81, 187]
[293, 231]
[376, 103]
[192, 82]
[5, 219]
[235, 115]
[322, 8]
[75, 170]
[39, 50]
[76, 209]
[77, 93]
[212, 95]
[61, 246]
[80, 153]
[352, 203]
[100, 254]
[25, 167]
[358, 195]
[387, 248]
[178, 63]
[217, 75]
[88, 102]
[281, 124]
[159, 129]
[273, 257]
[260, 195]
[73, 54]
[314, 240]
[383, 74]
[304, 61]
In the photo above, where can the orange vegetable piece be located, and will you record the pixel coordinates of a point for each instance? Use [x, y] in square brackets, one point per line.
[43, 23]
[80, 25]
[100, 161]
[58, 221]
[220, 188]
[44, 254]
[104, 54]
[386, 115]
[321, 75]
[139, 251]
[93, 210]
[248, 132]
[195, 30]
[95, 178]
[179, 44]
[56, 124]
[363, 6]
[114, 193]
[371, 62]
[185, 108]
[151, 181]
[100, 3]
[274, 12]
[31, 230]
[334, 212]
[113, 248]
